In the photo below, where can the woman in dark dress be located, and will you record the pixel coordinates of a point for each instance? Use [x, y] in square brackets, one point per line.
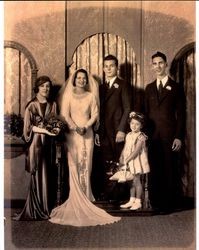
[39, 158]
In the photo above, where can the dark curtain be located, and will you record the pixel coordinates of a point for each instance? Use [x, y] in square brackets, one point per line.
[183, 71]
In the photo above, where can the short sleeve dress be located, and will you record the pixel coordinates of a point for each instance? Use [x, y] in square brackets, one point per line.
[140, 164]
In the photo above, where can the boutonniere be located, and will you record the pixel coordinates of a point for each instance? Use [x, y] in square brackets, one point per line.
[168, 87]
[116, 85]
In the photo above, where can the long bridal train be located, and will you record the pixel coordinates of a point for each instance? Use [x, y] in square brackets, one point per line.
[78, 210]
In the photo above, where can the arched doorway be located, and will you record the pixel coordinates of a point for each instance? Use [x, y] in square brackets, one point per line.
[90, 53]
[183, 71]
[20, 72]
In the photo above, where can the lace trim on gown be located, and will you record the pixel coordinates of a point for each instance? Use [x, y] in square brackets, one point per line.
[83, 171]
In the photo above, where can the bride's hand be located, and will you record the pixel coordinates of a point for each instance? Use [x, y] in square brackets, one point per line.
[81, 131]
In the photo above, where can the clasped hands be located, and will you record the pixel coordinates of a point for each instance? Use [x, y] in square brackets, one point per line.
[80, 131]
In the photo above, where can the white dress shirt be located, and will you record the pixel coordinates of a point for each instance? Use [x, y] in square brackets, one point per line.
[163, 80]
[111, 81]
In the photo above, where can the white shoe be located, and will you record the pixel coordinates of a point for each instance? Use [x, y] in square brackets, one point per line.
[136, 205]
[128, 204]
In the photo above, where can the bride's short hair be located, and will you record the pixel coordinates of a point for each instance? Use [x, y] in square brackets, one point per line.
[82, 71]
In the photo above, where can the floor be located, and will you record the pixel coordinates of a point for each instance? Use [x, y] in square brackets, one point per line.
[139, 230]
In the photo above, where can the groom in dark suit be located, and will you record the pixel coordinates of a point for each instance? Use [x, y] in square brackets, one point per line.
[165, 109]
[115, 106]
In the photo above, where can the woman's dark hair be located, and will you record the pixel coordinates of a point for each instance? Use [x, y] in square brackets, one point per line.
[39, 81]
[80, 71]
[111, 57]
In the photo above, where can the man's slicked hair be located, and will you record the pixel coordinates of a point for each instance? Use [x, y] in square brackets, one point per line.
[159, 54]
[111, 57]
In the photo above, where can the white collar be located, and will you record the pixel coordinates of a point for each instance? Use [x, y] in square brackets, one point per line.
[111, 81]
[163, 80]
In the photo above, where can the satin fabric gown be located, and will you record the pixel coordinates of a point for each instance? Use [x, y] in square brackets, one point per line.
[78, 210]
[39, 163]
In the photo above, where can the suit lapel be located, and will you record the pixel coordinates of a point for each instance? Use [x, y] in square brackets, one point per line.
[165, 91]
[103, 93]
[155, 91]
[112, 89]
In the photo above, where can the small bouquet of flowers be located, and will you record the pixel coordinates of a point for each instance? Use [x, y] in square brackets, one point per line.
[52, 123]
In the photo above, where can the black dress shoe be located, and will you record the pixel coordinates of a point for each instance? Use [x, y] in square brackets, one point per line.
[155, 210]
[165, 211]
[114, 202]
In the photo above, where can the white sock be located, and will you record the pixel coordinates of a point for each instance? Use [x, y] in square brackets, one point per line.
[137, 200]
[132, 199]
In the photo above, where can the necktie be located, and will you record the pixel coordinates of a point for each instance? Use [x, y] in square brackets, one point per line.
[108, 84]
[160, 88]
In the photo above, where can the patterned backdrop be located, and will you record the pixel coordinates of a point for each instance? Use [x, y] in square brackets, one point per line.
[90, 53]
[17, 81]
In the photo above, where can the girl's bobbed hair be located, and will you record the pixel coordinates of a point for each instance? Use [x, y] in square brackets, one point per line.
[137, 116]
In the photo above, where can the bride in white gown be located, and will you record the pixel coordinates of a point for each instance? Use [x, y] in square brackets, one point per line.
[80, 108]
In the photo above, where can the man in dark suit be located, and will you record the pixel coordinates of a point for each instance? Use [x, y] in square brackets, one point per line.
[115, 106]
[165, 109]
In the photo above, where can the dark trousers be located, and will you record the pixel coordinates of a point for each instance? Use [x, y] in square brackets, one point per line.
[164, 176]
[110, 152]
[98, 173]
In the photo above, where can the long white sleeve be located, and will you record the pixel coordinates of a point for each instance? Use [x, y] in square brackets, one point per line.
[66, 112]
[94, 112]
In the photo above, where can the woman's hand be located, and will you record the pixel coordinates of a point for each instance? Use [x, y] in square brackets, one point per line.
[121, 160]
[81, 131]
[56, 131]
[42, 131]
[123, 167]
[49, 133]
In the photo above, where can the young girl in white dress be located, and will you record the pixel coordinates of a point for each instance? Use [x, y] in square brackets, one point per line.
[134, 156]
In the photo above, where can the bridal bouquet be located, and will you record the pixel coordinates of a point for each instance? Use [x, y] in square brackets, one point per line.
[52, 123]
